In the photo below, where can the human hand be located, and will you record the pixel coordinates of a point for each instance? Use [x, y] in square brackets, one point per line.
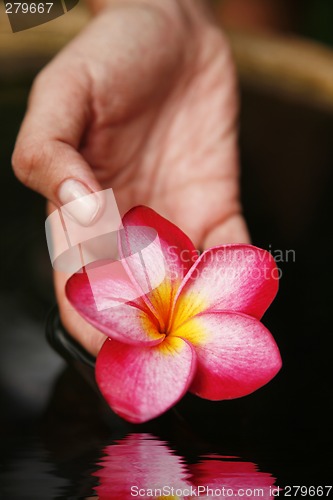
[142, 101]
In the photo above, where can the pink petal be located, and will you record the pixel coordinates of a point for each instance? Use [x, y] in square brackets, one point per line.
[236, 354]
[140, 383]
[177, 251]
[240, 278]
[130, 322]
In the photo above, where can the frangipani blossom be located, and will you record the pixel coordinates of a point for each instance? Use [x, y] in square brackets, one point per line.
[199, 330]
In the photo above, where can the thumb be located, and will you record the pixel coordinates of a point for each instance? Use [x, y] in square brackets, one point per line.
[46, 157]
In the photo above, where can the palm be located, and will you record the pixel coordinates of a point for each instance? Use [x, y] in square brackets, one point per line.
[167, 140]
[173, 148]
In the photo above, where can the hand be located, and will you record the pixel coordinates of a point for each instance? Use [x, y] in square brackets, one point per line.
[142, 101]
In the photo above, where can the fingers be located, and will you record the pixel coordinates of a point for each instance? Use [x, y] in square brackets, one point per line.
[84, 333]
[46, 157]
[232, 230]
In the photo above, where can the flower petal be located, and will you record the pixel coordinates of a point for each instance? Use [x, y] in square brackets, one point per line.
[240, 278]
[172, 250]
[236, 354]
[178, 250]
[140, 383]
[130, 321]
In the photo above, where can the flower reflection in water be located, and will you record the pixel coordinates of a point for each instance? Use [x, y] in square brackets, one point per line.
[232, 478]
[141, 462]
[142, 466]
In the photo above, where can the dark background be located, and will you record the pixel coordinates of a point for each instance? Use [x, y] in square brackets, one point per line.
[54, 426]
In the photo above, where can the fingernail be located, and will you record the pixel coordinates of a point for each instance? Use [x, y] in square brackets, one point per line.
[81, 207]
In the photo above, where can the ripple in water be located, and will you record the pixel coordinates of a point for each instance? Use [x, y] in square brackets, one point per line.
[143, 466]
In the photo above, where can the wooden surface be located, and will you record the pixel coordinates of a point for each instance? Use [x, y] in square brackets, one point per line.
[293, 67]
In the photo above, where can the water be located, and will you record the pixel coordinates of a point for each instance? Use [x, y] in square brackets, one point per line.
[74, 447]
[143, 465]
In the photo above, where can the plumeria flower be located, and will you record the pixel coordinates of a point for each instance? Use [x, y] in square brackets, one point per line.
[198, 331]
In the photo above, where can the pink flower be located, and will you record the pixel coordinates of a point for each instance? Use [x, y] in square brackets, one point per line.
[199, 330]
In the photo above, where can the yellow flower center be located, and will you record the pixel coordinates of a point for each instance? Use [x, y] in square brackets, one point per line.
[171, 319]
